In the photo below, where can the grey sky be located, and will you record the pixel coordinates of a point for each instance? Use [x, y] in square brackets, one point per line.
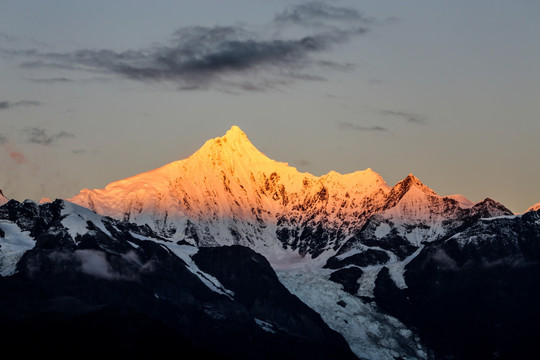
[93, 92]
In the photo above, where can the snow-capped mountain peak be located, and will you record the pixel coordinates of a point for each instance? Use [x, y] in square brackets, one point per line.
[231, 148]
[411, 182]
[228, 192]
[491, 208]
[409, 190]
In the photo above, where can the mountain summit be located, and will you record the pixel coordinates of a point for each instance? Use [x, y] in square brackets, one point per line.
[228, 192]
[233, 147]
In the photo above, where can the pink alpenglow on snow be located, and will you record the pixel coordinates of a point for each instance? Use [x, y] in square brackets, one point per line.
[237, 195]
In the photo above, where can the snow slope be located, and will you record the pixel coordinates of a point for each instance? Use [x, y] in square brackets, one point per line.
[371, 334]
[228, 192]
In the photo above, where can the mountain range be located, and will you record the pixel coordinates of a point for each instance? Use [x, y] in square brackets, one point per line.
[238, 255]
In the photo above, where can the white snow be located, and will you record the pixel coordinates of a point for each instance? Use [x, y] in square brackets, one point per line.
[397, 269]
[133, 244]
[367, 280]
[462, 200]
[370, 334]
[76, 218]
[382, 230]
[499, 217]
[13, 245]
[265, 325]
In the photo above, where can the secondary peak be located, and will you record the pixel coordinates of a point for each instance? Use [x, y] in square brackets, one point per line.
[412, 181]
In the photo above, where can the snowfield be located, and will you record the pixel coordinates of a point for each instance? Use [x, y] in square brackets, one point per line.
[370, 334]
[13, 246]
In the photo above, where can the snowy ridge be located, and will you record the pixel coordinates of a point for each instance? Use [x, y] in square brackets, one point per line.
[68, 221]
[535, 207]
[228, 192]
[76, 220]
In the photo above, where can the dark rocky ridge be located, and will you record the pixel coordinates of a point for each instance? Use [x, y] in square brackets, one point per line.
[117, 294]
[473, 295]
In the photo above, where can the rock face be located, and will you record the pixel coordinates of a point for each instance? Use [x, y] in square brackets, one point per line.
[474, 294]
[398, 232]
[103, 286]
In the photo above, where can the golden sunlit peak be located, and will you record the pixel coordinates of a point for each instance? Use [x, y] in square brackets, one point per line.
[234, 138]
[235, 133]
[233, 147]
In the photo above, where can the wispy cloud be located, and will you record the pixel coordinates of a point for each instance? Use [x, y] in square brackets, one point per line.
[54, 80]
[19, 41]
[7, 37]
[39, 136]
[18, 157]
[407, 116]
[317, 13]
[5, 105]
[223, 57]
[9, 149]
[345, 125]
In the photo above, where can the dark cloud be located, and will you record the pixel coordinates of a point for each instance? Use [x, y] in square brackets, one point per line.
[220, 57]
[4, 105]
[40, 136]
[409, 117]
[317, 13]
[345, 125]
[3, 138]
